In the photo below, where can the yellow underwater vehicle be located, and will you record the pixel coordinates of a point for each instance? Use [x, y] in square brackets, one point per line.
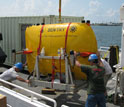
[49, 44]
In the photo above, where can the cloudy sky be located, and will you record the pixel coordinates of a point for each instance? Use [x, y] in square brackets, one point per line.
[94, 10]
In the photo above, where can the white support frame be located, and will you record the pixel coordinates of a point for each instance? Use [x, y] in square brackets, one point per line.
[119, 68]
[122, 38]
[37, 68]
[69, 84]
[122, 46]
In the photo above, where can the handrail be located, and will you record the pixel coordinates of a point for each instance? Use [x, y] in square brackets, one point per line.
[64, 106]
[105, 48]
[9, 105]
[31, 92]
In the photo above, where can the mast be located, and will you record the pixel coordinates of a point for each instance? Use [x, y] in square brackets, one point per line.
[122, 38]
[60, 11]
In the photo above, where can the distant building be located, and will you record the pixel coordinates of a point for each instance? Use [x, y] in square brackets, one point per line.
[107, 24]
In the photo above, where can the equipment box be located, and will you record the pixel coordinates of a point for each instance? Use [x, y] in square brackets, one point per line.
[2, 56]
[3, 101]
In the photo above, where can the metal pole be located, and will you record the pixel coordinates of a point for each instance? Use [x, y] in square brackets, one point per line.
[122, 46]
[122, 38]
[66, 70]
[37, 68]
[70, 74]
[116, 86]
[60, 11]
[14, 56]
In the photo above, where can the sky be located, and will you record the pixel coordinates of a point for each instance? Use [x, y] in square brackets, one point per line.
[98, 11]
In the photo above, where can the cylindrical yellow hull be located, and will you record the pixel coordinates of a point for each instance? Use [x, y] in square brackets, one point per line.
[80, 38]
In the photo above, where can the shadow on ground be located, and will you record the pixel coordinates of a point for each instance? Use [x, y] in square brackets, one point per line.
[71, 100]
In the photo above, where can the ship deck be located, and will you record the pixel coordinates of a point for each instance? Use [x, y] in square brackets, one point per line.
[71, 99]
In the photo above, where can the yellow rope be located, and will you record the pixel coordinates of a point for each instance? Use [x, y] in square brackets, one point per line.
[105, 55]
[117, 54]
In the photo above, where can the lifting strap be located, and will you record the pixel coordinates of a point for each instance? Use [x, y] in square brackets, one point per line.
[66, 36]
[41, 32]
[53, 70]
[106, 54]
[60, 68]
[27, 52]
[86, 54]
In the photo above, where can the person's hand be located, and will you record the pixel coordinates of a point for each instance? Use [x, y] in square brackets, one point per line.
[27, 81]
[75, 53]
[98, 54]
[99, 59]
[77, 63]
[25, 64]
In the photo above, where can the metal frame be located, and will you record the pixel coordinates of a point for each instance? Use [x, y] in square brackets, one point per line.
[119, 83]
[116, 84]
[119, 68]
[122, 46]
[68, 86]
[58, 86]
[122, 38]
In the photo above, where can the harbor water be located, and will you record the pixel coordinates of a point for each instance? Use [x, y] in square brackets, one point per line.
[108, 35]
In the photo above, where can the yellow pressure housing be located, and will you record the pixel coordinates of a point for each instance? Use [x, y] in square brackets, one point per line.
[81, 38]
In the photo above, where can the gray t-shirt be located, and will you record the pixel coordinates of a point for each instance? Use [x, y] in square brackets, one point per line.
[9, 75]
[108, 69]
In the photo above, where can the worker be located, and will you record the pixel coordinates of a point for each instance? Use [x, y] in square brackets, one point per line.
[95, 77]
[11, 74]
[108, 69]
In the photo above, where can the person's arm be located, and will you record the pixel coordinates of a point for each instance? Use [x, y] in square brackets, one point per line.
[77, 63]
[99, 59]
[21, 79]
[107, 67]
[84, 68]
[25, 64]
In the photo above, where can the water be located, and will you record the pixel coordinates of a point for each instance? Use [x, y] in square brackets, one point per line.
[108, 35]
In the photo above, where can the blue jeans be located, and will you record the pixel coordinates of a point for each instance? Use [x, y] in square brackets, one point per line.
[96, 99]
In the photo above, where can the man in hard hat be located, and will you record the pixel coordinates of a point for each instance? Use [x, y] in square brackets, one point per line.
[11, 74]
[95, 77]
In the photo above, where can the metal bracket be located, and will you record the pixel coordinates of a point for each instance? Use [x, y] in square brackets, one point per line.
[58, 86]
